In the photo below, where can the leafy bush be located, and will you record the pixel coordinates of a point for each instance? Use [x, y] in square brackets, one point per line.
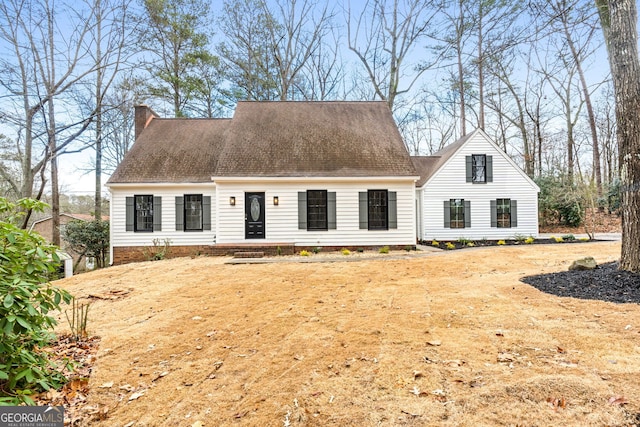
[89, 239]
[435, 243]
[529, 240]
[559, 202]
[558, 239]
[26, 298]
[317, 249]
[345, 251]
[463, 240]
[569, 237]
[450, 246]
[304, 253]
[471, 244]
[501, 242]
[384, 250]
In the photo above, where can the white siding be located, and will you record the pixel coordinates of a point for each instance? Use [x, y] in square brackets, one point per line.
[450, 183]
[121, 237]
[282, 220]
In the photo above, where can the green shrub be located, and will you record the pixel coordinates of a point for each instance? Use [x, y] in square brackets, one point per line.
[470, 244]
[384, 250]
[26, 299]
[463, 240]
[569, 237]
[89, 239]
[560, 202]
[360, 250]
[408, 248]
[317, 250]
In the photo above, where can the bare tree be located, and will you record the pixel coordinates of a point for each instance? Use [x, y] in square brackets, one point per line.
[385, 35]
[295, 39]
[619, 24]
[43, 69]
[574, 22]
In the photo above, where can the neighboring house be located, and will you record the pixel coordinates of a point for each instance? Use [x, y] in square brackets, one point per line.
[281, 175]
[471, 189]
[44, 228]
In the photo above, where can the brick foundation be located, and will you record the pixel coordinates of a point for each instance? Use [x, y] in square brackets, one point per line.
[128, 254]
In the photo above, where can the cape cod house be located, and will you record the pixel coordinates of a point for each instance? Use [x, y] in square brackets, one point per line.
[290, 175]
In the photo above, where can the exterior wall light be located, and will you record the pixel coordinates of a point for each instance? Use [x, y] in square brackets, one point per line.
[232, 200]
[276, 201]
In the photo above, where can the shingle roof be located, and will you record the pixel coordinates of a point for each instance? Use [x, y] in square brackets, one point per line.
[427, 166]
[173, 150]
[333, 139]
[270, 139]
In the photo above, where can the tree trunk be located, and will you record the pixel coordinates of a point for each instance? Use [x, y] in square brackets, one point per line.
[618, 19]
[97, 212]
[587, 100]
[480, 70]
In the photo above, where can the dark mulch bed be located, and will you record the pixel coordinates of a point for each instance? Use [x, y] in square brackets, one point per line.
[605, 283]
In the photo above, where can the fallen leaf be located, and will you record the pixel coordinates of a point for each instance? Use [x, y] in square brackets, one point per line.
[560, 350]
[137, 395]
[197, 424]
[106, 385]
[127, 387]
[162, 374]
[196, 318]
[417, 374]
[434, 343]
[240, 414]
[506, 357]
[617, 400]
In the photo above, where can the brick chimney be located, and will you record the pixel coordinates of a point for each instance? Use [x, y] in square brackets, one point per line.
[144, 115]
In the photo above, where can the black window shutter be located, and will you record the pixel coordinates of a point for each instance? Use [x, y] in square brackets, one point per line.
[157, 213]
[206, 212]
[129, 214]
[489, 168]
[363, 209]
[467, 214]
[331, 210]
[179, 213]
[302, 210]
[469, 168]
[494, 213]
[447, 214]
[392, 203]
[514, 213]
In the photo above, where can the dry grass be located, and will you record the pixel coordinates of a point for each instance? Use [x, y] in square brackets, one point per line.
[450, 339]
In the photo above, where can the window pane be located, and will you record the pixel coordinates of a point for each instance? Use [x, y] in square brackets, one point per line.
[457, 213]
[503, 210]
[378, 210]
[193, 212]
[479, 162]
[317, 210]
[143, 213]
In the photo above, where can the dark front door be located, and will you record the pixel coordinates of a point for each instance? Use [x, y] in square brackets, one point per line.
[254, 215]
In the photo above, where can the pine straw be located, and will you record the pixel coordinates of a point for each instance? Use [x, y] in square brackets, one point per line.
[450, 339]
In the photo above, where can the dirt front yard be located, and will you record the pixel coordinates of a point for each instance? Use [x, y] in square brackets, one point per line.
[452, 338]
